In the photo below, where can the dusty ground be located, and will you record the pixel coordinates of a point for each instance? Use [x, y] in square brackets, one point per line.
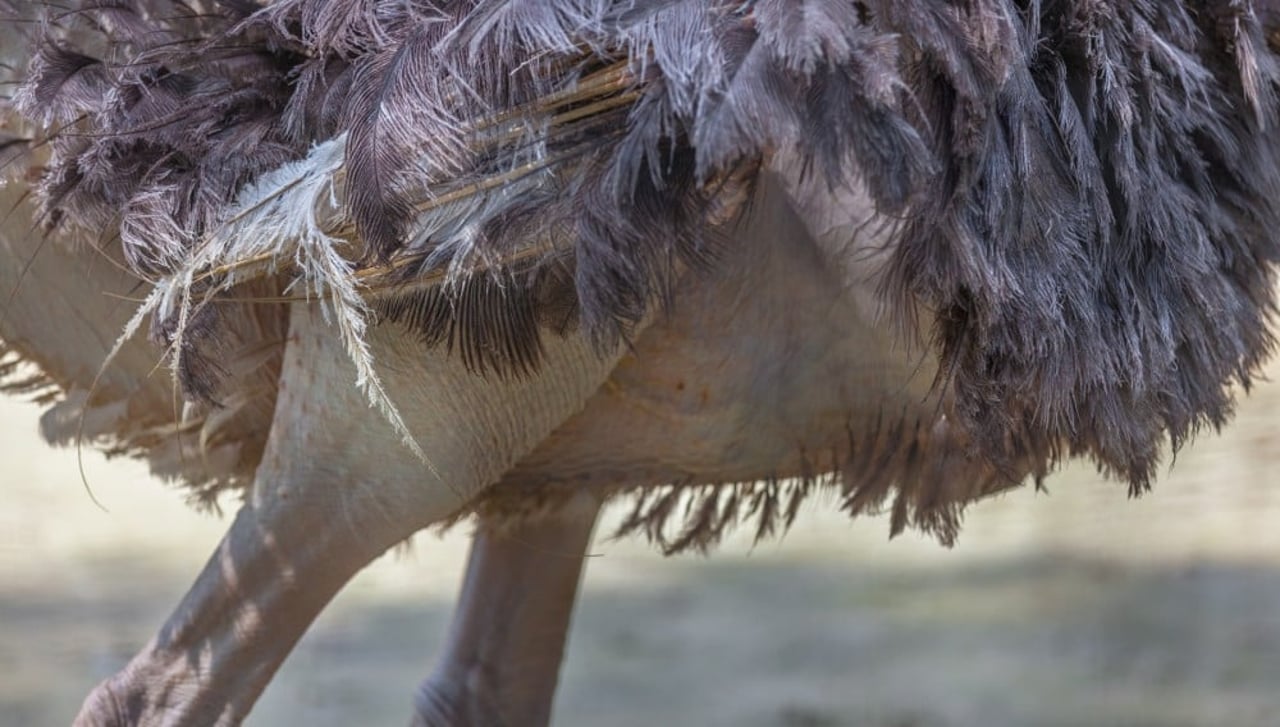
[1080, 608]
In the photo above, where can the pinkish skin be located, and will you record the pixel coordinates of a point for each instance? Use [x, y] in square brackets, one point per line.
[758, 364]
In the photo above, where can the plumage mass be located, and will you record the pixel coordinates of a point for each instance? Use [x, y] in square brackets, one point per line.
[1083, 196]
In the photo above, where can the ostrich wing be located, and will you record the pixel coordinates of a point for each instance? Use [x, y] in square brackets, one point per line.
[1084, 194]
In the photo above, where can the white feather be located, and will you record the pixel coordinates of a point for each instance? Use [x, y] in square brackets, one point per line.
[282, 219]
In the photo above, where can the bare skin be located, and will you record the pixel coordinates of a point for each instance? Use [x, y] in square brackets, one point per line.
[756, 371]
[751, 373]
[753, 369]
[312, 522]
[502, 660]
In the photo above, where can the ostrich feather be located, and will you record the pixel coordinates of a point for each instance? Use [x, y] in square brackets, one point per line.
[1083, 194]
[282, 219]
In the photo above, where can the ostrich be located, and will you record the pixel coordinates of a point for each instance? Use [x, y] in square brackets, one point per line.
[413, 262]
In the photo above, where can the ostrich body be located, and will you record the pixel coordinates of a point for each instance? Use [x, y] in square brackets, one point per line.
[411, 263]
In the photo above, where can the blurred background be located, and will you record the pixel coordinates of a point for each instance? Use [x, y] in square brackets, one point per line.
[1080, 607]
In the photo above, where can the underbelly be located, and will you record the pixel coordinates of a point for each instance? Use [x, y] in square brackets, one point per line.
[770, 369]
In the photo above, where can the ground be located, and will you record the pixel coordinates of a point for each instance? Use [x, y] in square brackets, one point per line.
[1077, 608]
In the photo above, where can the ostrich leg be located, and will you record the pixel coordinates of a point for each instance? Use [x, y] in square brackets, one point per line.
[334, 491]
[507, 639]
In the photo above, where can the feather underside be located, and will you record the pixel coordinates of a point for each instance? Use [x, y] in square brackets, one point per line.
[904, 463]
[1083, 194]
